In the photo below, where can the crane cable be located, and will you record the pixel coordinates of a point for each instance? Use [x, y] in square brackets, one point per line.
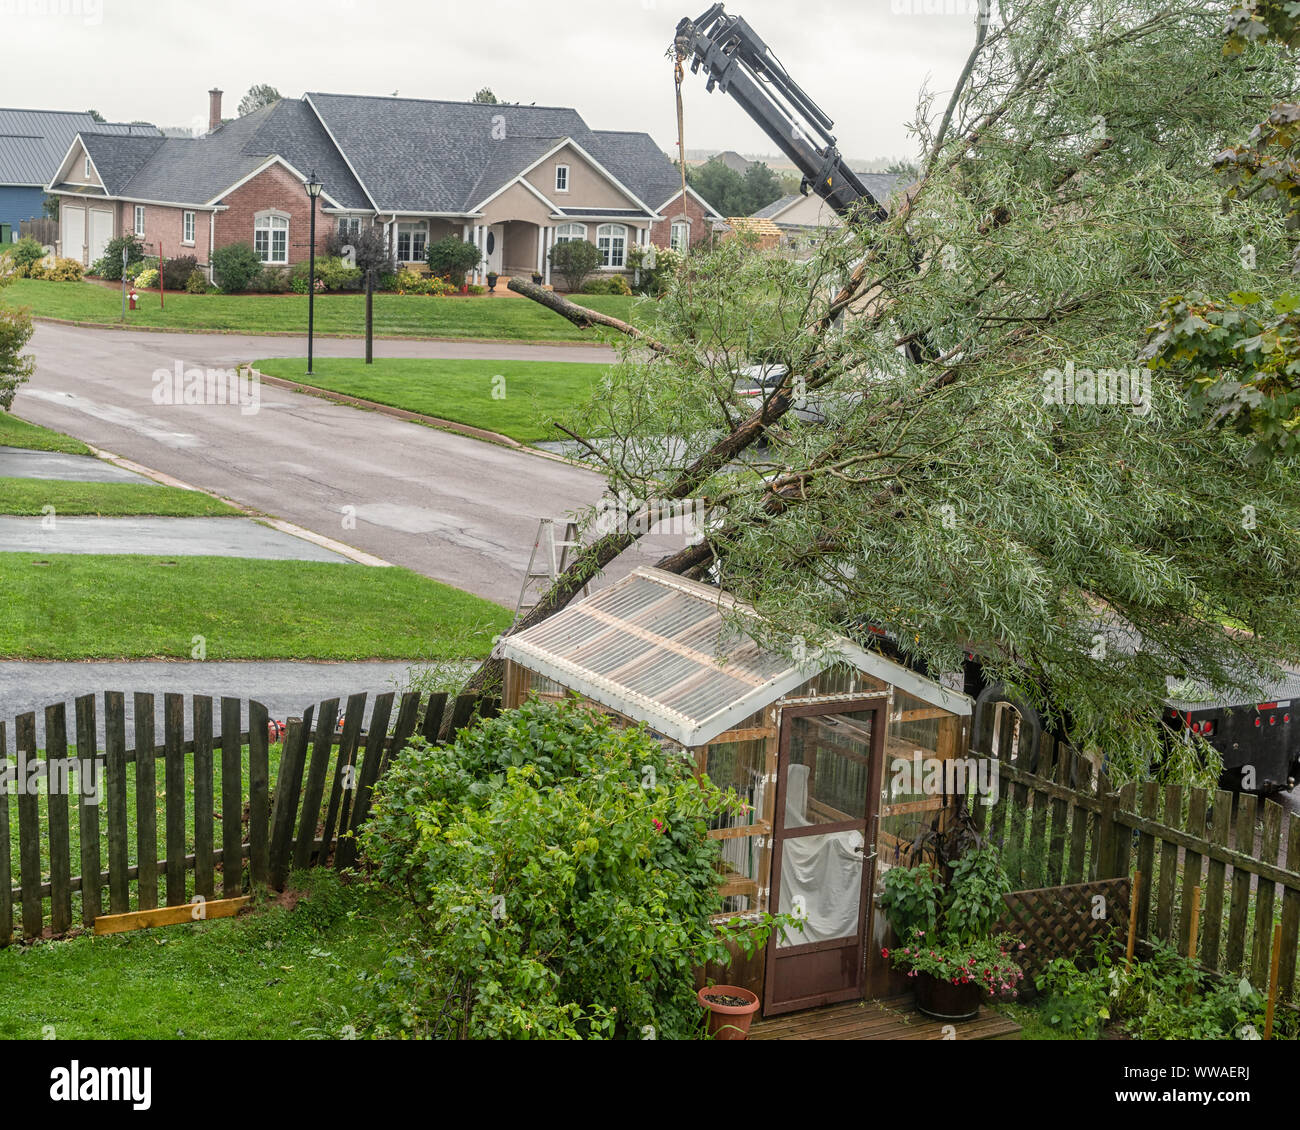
[678, 75]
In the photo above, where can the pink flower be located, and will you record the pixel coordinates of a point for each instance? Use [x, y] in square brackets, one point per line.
[884, 953]
[1022, 945]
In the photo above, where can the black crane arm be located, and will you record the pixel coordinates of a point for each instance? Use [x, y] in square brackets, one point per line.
[739, 63]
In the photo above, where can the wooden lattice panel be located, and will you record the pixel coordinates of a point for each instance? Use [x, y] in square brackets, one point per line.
[1065, 922]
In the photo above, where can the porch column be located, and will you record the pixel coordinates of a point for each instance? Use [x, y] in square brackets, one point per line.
[478, 243]
[550, 243]
[541, 249]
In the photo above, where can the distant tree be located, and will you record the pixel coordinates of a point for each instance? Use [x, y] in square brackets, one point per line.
[762, 186]
[50, 207]
[732, 193]
[369, 249]
[96, 116]
[486, 95]
[908, 170]
[259, 94]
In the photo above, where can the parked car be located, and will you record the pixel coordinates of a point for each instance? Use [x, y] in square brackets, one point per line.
[754, 383]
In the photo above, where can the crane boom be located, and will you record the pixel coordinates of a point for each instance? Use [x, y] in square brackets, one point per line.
[739, 63]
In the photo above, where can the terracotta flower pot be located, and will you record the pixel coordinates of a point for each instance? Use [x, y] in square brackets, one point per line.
[942, 1000]
[726, 1021]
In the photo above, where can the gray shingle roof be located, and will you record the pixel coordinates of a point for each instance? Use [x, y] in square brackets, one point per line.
[880, 185]
[33, 143]
[779, 205]
[640, 164]
[195, 170]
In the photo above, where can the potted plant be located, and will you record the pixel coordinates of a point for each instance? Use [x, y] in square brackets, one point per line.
[944, 916]
[537, 278]
[492, 282]
[731, 1010]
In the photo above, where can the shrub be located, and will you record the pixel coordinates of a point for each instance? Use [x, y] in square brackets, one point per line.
[15, 366]
[412, 282]
[369, 250]
[61, 270]
[235, 266]
[574, 260]
[451, 257]
[386, 281]
[109, 265]
[176, 272]
[197, 283]
[474, 288]
[615, 284]
[134, 270]
[331, 274]
[560, 878]
[273, 280]
[26, 252]
[147, 279]
[656, 267]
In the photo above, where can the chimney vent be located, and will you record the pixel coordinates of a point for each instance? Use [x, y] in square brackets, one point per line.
[214, 109]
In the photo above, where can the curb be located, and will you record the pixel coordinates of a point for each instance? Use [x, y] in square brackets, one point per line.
[341, 548]
[414, 417]
[198, 331]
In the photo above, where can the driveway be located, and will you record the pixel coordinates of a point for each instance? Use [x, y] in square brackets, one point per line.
[452, 508]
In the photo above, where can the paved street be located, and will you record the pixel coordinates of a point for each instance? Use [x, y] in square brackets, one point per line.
[453, 508]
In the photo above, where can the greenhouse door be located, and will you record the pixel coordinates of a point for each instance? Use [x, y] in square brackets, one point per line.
[828, 782]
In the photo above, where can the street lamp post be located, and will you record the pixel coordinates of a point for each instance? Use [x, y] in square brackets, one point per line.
[313, 193]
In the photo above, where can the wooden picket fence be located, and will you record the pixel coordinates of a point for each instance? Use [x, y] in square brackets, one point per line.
[220, 774]
[1218, 871]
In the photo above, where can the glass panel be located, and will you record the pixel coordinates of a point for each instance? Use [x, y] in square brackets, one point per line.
[829, 770]
[821, 883]
[841, 678]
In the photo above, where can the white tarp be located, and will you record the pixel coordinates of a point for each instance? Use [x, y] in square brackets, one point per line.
[821, 876]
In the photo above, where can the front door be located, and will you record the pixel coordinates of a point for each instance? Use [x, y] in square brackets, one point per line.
[495, 237]
[828, 781]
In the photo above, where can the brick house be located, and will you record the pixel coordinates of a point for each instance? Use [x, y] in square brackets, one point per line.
[513, 180]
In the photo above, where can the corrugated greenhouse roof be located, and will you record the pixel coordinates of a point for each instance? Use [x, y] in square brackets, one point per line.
[668, 652]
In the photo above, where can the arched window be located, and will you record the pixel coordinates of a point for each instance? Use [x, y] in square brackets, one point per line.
[612, 241]
[566, 233]
[271, 237]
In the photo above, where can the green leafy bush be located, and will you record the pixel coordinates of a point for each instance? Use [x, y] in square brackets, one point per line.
[15, 332]
[574, 260]
[61, 270]
[197, 283]
[135, 269]
[272, 280]
[407, 281]
[615, 284]
[26, 252]
[451, 258]
[655, 266]
[109, 265]
[176, 272]
[235, 267]
[147, 279]
[560, 881]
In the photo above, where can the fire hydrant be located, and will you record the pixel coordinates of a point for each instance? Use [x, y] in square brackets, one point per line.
[133, 297]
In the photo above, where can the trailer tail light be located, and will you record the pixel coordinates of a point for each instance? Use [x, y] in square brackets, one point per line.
[1258, 722]
[1272, 719]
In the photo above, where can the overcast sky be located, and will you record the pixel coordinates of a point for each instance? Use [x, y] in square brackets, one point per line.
[862, 60]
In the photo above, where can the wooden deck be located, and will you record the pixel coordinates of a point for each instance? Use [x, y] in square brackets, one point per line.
[893, 1019]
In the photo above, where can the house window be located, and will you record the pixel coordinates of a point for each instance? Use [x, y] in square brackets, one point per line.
[612, 241]
[680, 239]
[567, 233]
[410, 242]
[561, 178]
[187, 227]
[90, 175]
[139, 220]
[271, 237]
[349, 226]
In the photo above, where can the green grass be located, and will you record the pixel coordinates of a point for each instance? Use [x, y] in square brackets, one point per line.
[19, 433]
[515, 398]
[91, 606]
[514, 319]
[31, 496]
[273, 974]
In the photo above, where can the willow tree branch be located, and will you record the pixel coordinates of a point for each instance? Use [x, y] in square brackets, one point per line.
[583, 317]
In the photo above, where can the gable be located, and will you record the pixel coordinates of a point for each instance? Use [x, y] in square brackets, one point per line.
[589, 185]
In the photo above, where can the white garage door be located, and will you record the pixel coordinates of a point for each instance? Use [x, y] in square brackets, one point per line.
[72, 233]
[101, 231]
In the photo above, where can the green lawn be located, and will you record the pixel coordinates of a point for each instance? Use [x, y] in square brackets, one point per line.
[515, 319]
[516, 398]
[31, 496]
[19, 433]
[90, 606]
[273, 974]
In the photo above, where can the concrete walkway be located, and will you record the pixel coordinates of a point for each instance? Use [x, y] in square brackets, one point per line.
[159, 537]
[19, 463]
[286, 688]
